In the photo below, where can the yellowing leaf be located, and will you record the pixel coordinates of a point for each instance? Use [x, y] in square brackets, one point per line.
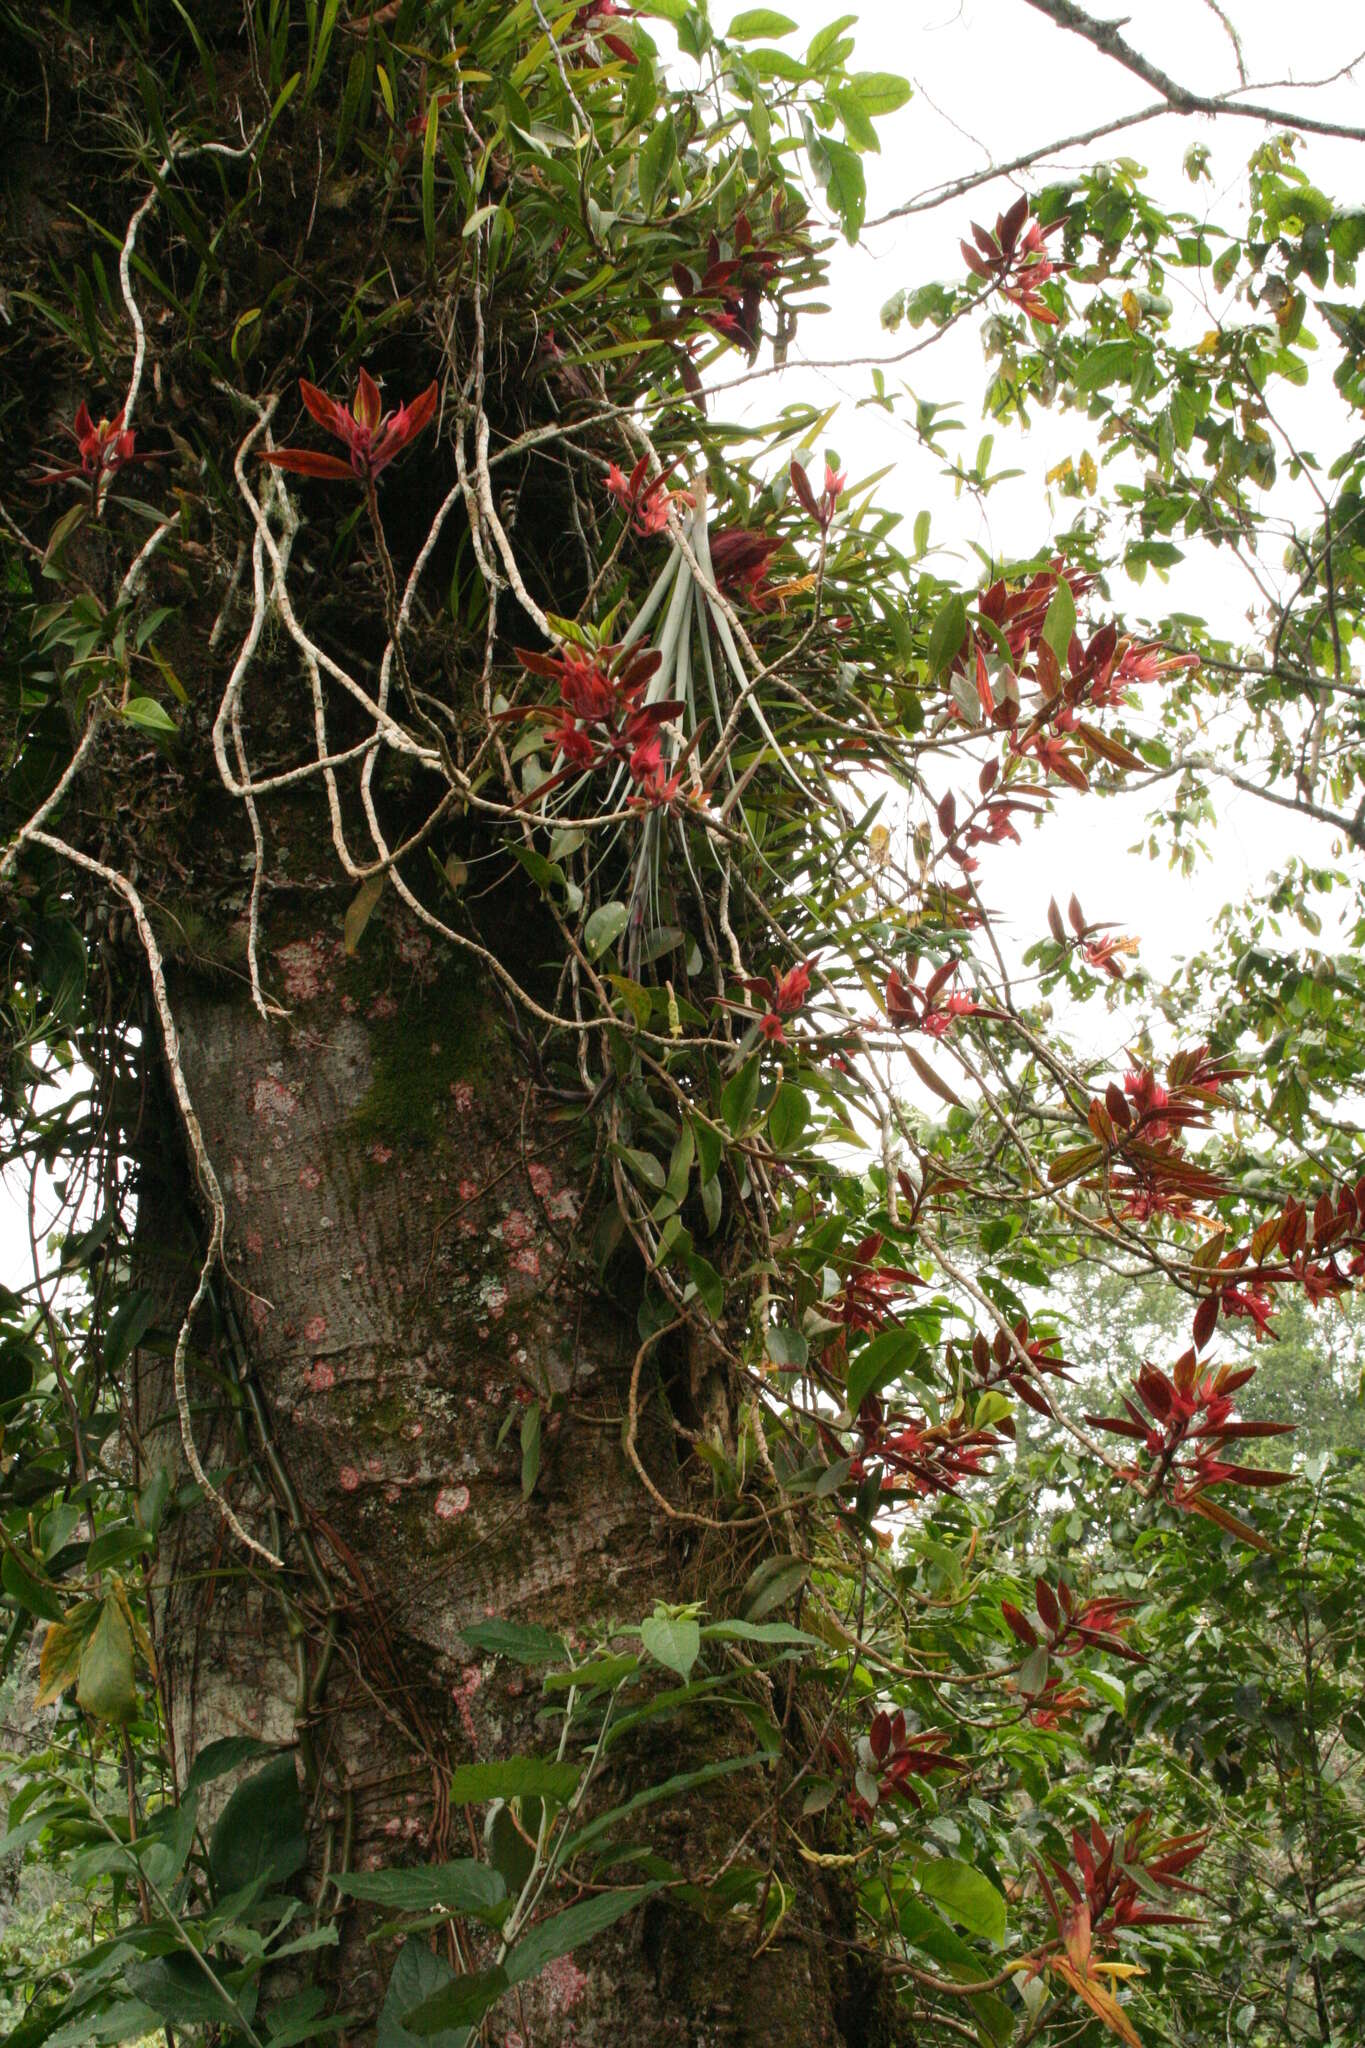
[60, 1660]
[1100, 1999]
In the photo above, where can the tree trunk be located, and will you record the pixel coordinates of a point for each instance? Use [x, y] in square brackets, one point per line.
[404, 1280]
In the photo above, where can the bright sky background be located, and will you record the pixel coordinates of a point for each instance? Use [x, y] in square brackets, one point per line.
[994, 78]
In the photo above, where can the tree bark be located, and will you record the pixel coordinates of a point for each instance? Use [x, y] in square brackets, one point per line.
[403, 1277]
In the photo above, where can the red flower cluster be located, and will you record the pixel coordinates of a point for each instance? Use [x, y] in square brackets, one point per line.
[1137, 1131]
[898, 1757]
[103, 446]
[869, 1290]
[783, 998]
[729, 292]
[1014, 259]
[602, 717]
[372, 438]
[917, 1456]
[998, 1364]
[646, 502]
[587, 20]
[821, 509]
[1068, 1629]
[1103, 1892]
[1095, 951]
[910, 1008]
[739, 563]
[1185, 1431]
[1310, 1253]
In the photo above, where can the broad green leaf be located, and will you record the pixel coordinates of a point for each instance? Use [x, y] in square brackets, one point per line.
[971, 1898]
[524, 1642]
[147, 715]
[760, 21]
[739, 1098]
[788, 1116]
[570, 1929]
[881, 92]
[260, 1831]
[1060, 623]
[105, 1685]
[461, 2002]
[461, 1887]
[603, 928]
[776, 1580]
[515, 1777]
[672, 1640]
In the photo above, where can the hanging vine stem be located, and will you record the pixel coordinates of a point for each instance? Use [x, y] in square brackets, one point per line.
[208, 1179]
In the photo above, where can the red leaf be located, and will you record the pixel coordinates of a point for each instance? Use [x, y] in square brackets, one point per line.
[309, 462]
[1205, 1317]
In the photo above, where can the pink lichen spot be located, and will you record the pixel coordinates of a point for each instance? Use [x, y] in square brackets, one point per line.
[378, 1154]
[468, 1191]
[260, 1313]
[541, 1179]
[320, 1376]
[527, 1260]
[348, 1479]
[450, 1502]
[309, 1178]
[315, 1329]
[494, 1299]
[517, 1228]
[255, 1243]
[412, 1429]
[382, 1008]
[463, 1096]
[271, 1099]
[304, 964]
[564, 1982]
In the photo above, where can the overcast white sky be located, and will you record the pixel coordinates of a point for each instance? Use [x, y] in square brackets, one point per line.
[992, 79]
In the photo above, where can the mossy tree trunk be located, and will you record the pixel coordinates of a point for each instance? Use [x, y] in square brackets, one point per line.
[404, 1277]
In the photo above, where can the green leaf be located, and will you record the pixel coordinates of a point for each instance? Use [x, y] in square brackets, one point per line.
[461, 1887]
[774, 1583]
[515, 1777]
[788, 1116]
[657, 158]
[530, 1450]
[524, 1642]
[359, 911]
[672, 1640]
[785, 1347]
[883, 1359]
[216, 1759]
[760, 21]
[417, 1975]
[776, 1632]
[971, 1898]
[33, 1594]
[260, 1831]
[823, 43]
[147, 715]
[1060, 623]
[708, 1283]
[570, 1929]
[603, 928]
[179, 1992]
[881, 92]
[949, 631]
[461, 2002]
[105, 1686]
[739, 1097]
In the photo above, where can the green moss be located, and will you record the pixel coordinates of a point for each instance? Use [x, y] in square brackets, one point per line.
[441, 1034]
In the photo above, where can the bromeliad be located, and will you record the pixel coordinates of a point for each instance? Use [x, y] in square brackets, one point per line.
[372, 437]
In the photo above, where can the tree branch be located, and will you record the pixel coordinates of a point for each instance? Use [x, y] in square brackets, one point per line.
[1106, 38]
